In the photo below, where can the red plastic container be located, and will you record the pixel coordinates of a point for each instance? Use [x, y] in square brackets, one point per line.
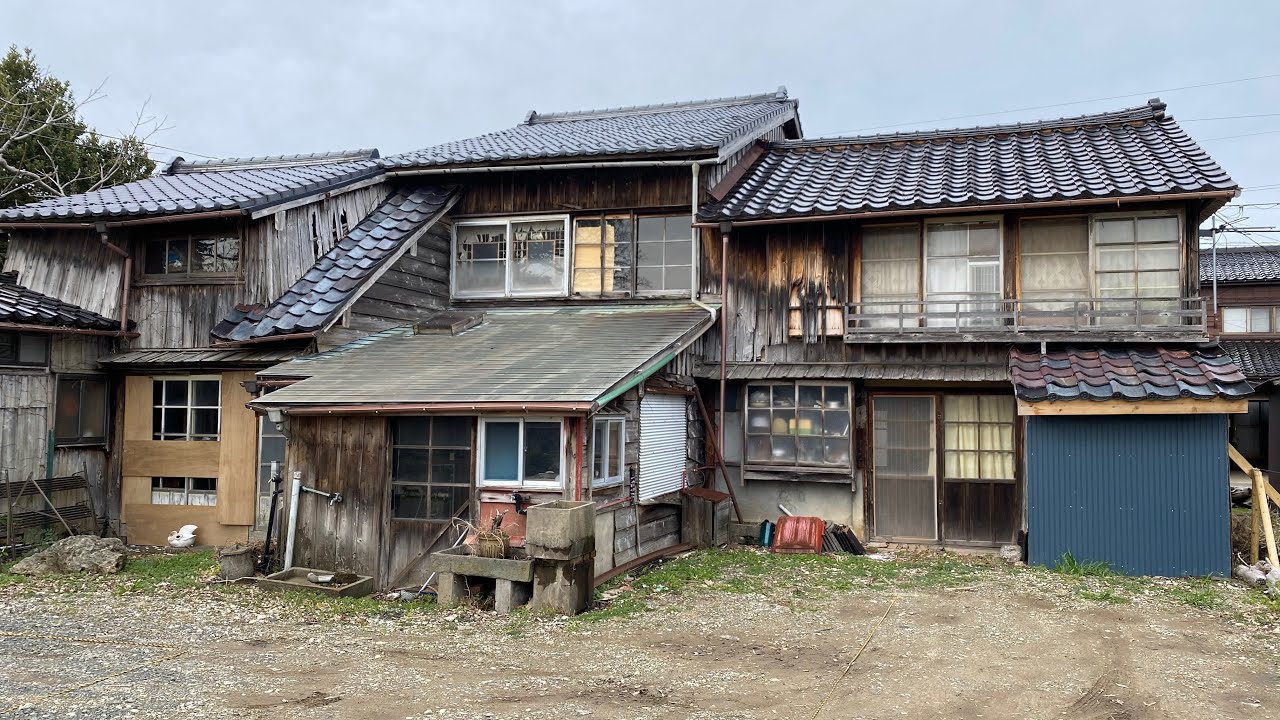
[799, 535]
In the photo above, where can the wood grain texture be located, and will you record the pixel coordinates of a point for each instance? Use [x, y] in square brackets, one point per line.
[151, 525]
[176, 458]
[1181, 406]
[237, 453]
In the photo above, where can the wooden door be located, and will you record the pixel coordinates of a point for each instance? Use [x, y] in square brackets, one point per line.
[979, 503]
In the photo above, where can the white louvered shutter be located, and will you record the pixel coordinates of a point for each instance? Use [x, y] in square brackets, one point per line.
[663, 438]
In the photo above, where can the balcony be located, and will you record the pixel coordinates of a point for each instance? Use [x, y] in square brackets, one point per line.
[987, 319]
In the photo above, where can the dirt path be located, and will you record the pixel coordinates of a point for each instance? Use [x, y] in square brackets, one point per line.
[992, 650]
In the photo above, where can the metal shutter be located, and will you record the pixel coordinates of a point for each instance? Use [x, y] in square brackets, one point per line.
[663, 437]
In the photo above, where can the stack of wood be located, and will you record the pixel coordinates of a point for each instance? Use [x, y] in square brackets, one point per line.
[840, 538]
[1263, 495]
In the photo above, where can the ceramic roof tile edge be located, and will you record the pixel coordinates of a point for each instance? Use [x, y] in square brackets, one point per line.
[180, 165]
[1153, 110]
[535, 117]
[1037, 377]
[81, 319]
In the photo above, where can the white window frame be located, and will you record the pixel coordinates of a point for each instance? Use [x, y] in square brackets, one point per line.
[186, 492]
[190, 406]
[521, 482]
[611, 480]
[510, 238]
[1248, 320]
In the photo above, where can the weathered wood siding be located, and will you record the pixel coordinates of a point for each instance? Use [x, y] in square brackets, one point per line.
[78, 355]
[571, 191]
[347, 455]
[71, 265]
[26, 399]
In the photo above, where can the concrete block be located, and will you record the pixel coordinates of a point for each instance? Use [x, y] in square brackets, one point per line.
[564, 586]
[560, 530]
[460, 561]
[450, 589]
[604, 542]
[509, 595]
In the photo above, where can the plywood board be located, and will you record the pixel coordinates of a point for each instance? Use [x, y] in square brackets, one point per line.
[137, 407]
[238, 453]
[151, 525]
[1181, 406]
[178, 458]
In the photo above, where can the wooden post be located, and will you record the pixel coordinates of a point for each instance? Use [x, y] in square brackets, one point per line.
[1257, 530]
[1260, 494]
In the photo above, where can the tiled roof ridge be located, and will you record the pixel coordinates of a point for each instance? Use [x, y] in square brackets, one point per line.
[534, 117]
[1152, 110]
[180, 165]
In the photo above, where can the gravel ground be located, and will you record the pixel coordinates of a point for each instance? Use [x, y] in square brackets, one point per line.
[1022, 644]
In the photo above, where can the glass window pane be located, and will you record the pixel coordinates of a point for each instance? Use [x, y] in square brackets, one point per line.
[203, 255]
[837, 451]
[409, 465]
[809, 422]
[273, 448]
[1158, 229]
[538, 255]
[67, 424]
[8, 347]
[175, 259]
[758, 396]
[1158, 257]
[411, 430]
[783, 449]
[758, 448]
[93, 410]
[501, 450]
[810, 450]
[446, 501]
[226, 258]
[451, 432]
[984, 239]
[204, 423]
[599, 448]
[33, 349]
[679, 227]
[783, 395]
[409, 502]
[835, 422]
[837, 396]
[204, 484]
[649, 279]
[155, 257]
[758, 422]
[946, 240]
[650, 229]
[175, 392]
[481, 257]
[677, 278]
[1260, 320]
[451, 466]
[810, 396]
[1115, 232]
[615, 448]
[1235, 320]
[206, 393]
[541, 450]
[175, 421]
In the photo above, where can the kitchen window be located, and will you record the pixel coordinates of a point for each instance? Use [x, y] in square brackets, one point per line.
[81, 417]
[624, 254]
[184, 491]
[430, 467]
[512, 257]
[192, 256]
[522, 452]
[186, 408]
[607, 450]
[24, 349]
[1239, 320]
[799, 424]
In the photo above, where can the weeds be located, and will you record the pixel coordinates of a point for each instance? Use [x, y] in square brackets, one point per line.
[1068, 565]
[1203, 593]
[181, 570]
[1106, 595]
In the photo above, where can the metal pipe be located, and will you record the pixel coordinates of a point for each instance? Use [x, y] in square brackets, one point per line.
[293, 518]
[1224, 194]
[725, 229]
[550, 166]
[276, 492]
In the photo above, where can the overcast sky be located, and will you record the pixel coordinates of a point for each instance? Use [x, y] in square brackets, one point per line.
[266, 78]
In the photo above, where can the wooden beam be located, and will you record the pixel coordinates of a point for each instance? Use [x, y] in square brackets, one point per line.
[1254, 535]
[1268, 536]
[1179, 406]
[1245, 466]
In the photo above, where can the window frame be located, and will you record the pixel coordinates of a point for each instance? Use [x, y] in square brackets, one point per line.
[1248, 310]
[158, 434]
[19, 340]
[633, 270]
[149, 243]
[795, 464]
[266, 429]
[187, 491]
[1179, 240]
[609, 481]
[80, 439]
[925, 257]
[520, 482]
[507, 293]
[429, 482]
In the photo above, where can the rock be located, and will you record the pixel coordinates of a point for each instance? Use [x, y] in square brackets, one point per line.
[78, 553]
[1011, 553]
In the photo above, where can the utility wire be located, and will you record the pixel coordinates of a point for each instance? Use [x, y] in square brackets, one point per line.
[1245, 135]
[1074, 102]
[1228, 117]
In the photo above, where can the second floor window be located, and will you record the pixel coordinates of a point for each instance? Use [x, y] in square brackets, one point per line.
[1239, 320]
[82, 411]
[624, 255]
[192, 256]
[962, 269]
[24, 349]
[512, 257]
[186, 408]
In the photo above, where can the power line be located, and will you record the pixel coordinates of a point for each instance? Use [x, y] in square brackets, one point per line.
[1228, 117]
[1074, 102]
[1232, 137]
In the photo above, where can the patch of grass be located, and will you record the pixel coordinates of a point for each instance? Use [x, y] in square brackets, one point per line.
[1106, 595]
[172, 570]
[1203, 593]
[346, 607]
[1068, 565]
[622, 607]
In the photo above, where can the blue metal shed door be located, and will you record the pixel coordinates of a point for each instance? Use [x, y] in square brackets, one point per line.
[1146, 494]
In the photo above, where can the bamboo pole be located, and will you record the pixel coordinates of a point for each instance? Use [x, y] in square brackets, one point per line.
[1260, 494]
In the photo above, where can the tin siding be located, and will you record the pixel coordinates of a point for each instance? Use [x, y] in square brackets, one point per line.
[1146, 494]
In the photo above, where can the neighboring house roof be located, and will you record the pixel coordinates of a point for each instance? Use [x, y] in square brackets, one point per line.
[1150, 373]
[188, 357]
[708, 127]
[336, 279]
[950, 372]
[527, 356]
[1135, 152]
[22, 306]
[1259, 360]
[244, 184]
[1244, 265]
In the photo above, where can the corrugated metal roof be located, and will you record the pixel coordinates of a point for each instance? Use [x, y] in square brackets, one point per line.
[326, 288]
[249, 357]
[867, 371]
[1139, 151]
[1148, 373]
[28, 307]
[703, 125]
[245, 184]
[1259, 360]
[514, 355]
[1241, 265]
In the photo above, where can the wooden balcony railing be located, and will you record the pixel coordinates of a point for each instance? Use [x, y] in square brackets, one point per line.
[987, 318]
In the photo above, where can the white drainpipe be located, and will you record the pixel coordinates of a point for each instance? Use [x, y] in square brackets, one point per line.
[293, 518]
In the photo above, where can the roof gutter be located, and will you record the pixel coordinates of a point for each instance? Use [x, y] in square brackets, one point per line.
[551, 166]
[268, 338]
[77, 225]
[412, 408]
[1129, 199]
[66, 330]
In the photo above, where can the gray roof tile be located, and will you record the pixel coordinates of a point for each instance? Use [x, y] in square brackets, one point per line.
[706, 125]
[1140, 151]
[1259, 360]
[1241, 265]
[245, 184]
[326, 287]
[27, 307]
[1147, 373]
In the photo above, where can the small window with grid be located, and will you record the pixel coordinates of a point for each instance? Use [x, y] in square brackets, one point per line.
[186, 408]
[799, 424]
[430, 467]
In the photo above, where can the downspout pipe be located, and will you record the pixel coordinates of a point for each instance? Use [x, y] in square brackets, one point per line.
[725, 229]
[294, 492]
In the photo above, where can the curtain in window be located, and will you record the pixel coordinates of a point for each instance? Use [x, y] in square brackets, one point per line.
[890, 272]
[962, 264]
[978, 437]
[1055, 265]
[1137, 258]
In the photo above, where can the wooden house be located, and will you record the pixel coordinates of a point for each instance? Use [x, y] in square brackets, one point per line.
[932, 335]
[171, 256]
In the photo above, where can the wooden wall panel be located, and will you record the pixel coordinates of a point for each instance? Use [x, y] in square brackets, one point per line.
[71, 265]
[151, 525]
[153, 458]
[238, 453]
[568, 191]
[25, 402]
[1238, 296]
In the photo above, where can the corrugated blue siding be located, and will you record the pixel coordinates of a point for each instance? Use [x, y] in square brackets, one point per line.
[1146, 494]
